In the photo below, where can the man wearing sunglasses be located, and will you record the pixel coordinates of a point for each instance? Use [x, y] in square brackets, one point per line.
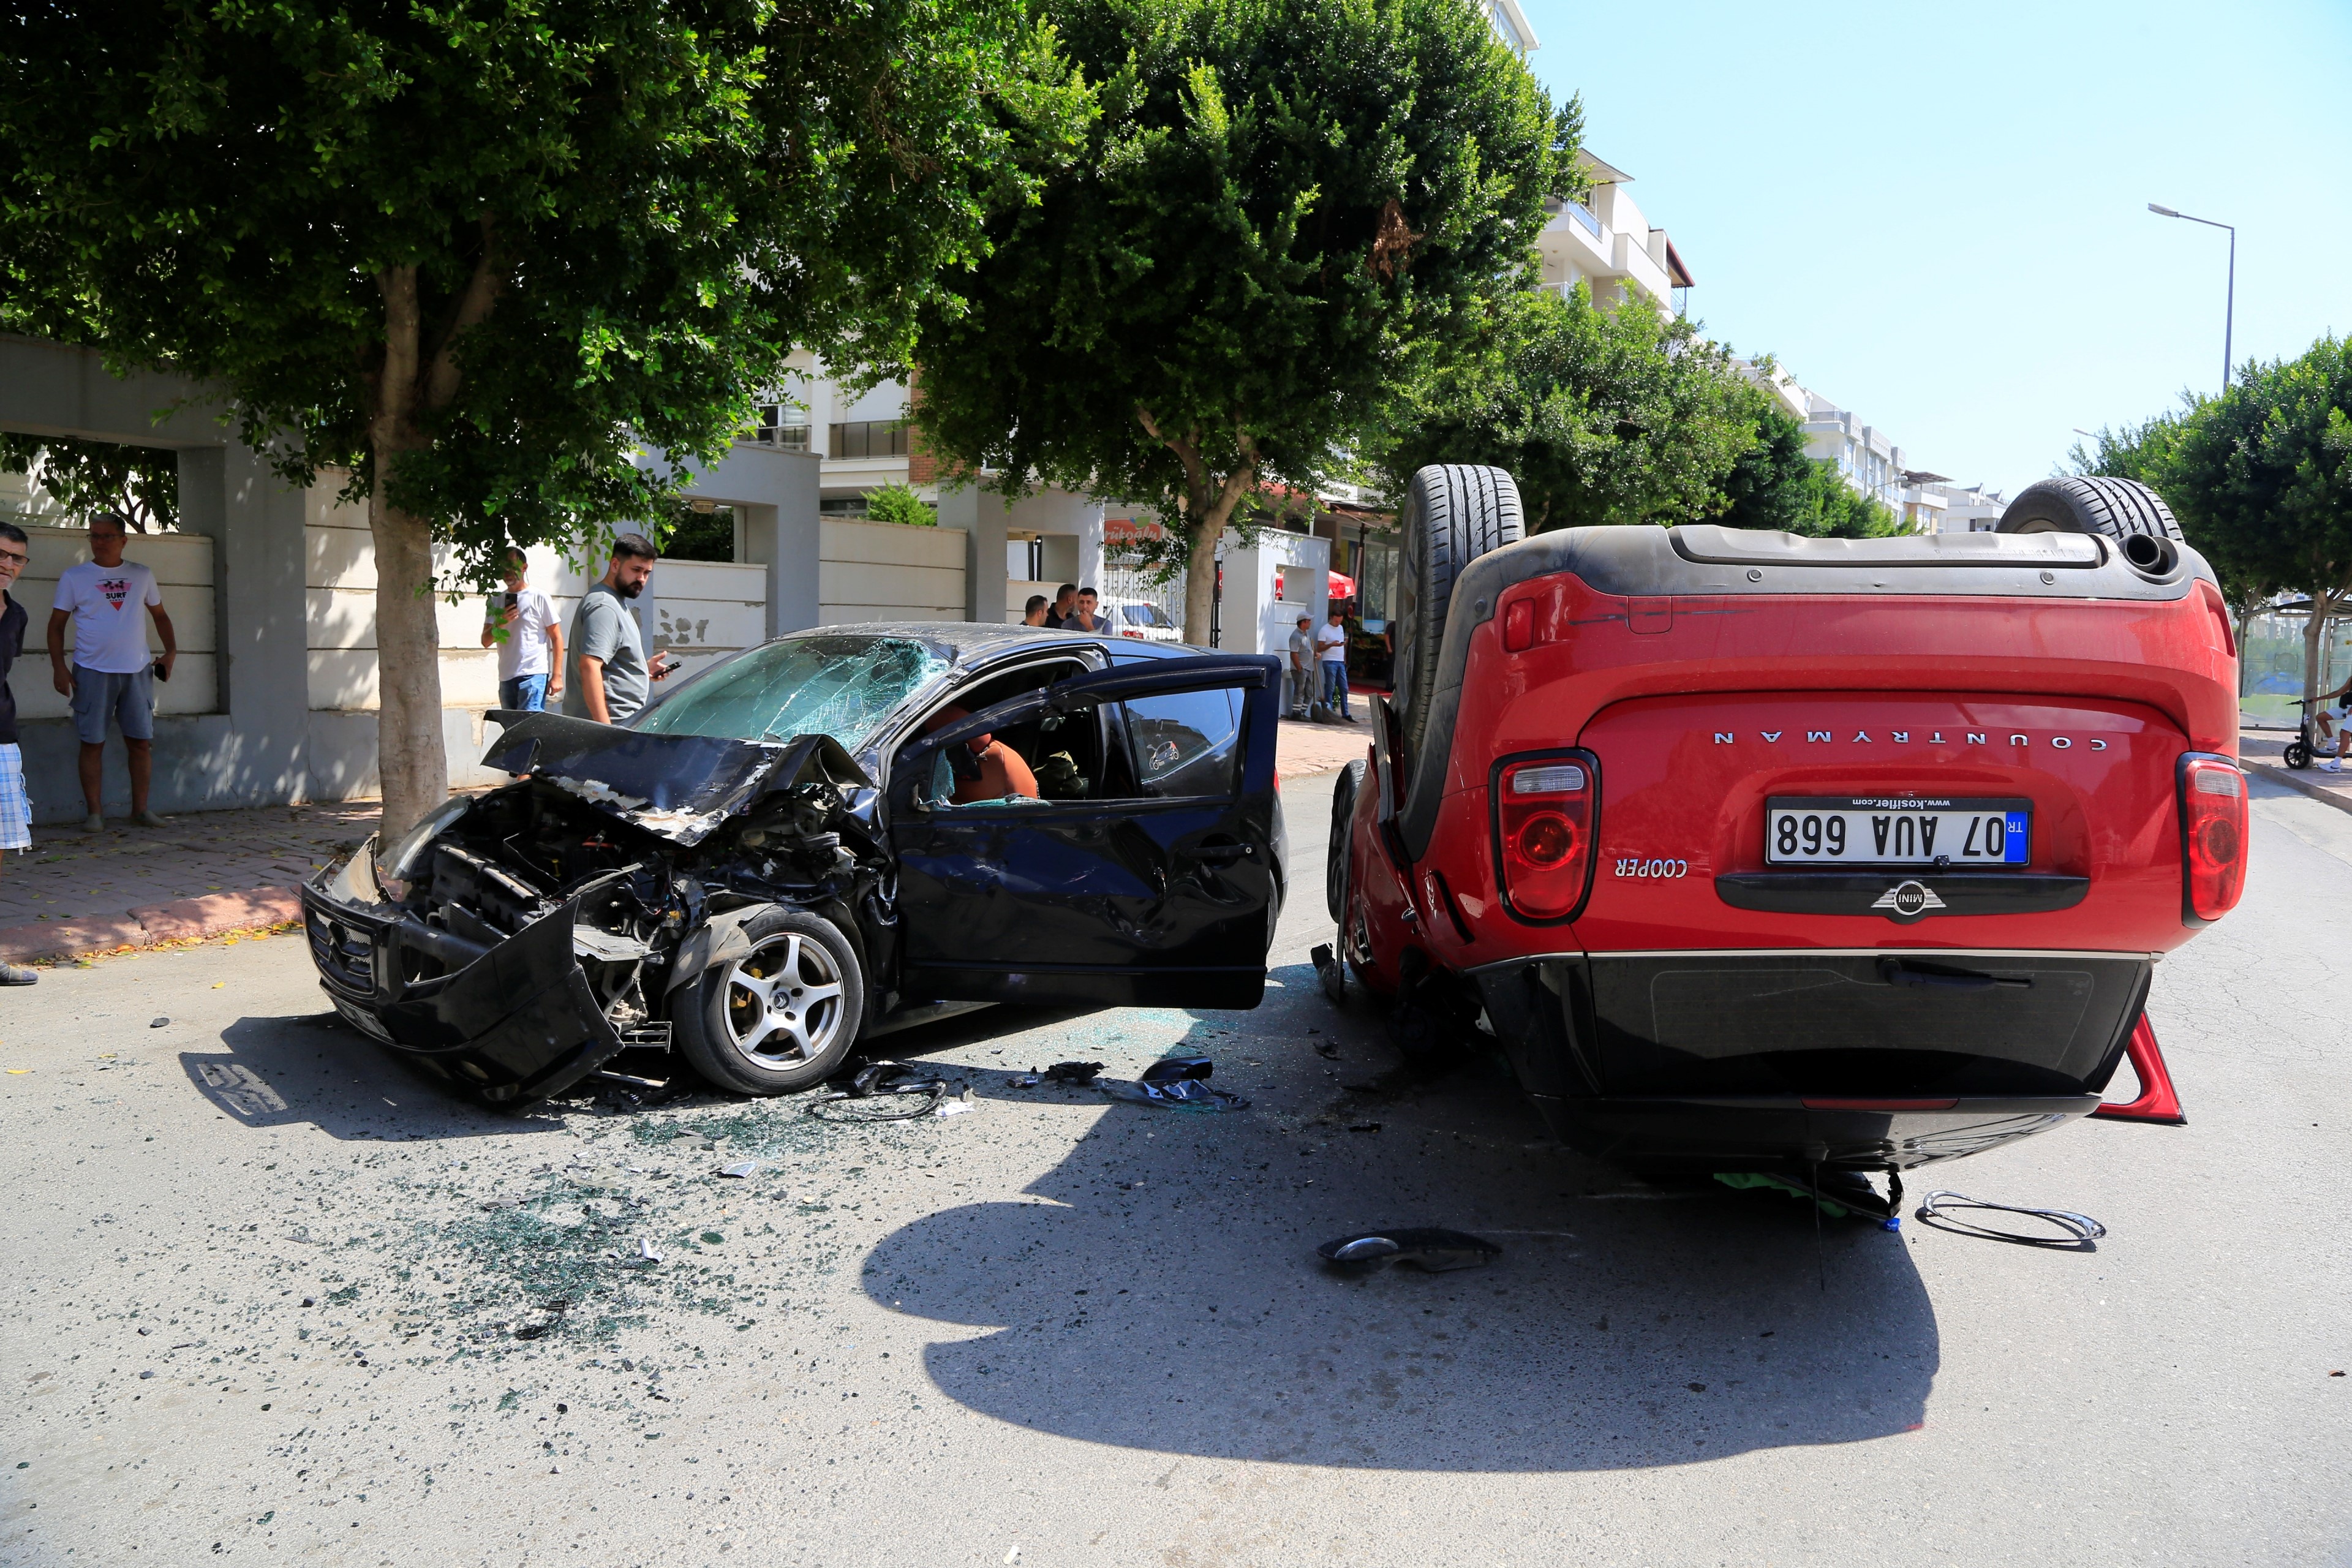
[15, 811]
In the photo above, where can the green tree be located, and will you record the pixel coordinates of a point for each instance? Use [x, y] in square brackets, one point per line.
[90, 478]
[1603, 416]
[1772, 484]
[2262, 479]
[507, 262]
[899, 503]
[1828, 508]
[1283, 212]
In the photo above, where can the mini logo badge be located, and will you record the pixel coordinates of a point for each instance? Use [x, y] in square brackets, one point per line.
[1907, 902]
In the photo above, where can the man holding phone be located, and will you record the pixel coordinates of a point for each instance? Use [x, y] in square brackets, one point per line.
[614, 680]
[530, 650]
[112, 676]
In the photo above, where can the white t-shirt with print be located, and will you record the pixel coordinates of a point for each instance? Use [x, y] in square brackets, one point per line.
[109, 605]
[525, 650]
[1332, 642]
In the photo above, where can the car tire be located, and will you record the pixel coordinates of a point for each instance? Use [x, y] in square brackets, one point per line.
[1335, 862]
[782, 1017]
[1453, 514]
[2116, 507]
[2298, 755]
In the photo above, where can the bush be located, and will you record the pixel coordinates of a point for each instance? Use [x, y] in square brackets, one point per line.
[900, 504]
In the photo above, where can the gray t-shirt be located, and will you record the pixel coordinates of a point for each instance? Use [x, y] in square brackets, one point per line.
[601, 627]
[1302, 651]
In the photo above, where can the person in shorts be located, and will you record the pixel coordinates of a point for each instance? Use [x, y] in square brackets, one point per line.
[530, 651]
[1302, 667]
[108, 601]
[2340, 719]
[15, 807]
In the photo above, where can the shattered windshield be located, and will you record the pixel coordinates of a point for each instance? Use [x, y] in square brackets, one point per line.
[837, 686]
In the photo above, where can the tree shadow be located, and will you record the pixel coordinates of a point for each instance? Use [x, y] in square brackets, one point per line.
[1165, 1295]
[315, 1068]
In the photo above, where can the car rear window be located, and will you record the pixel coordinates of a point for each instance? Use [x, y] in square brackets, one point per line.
[1187, 744]
[837, 685]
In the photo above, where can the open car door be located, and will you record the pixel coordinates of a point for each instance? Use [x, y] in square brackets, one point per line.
[1158, 889]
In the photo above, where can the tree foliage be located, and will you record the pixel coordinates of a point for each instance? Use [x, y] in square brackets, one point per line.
[97, 479]
[900, 504]
[2261, 477]
[508, 262]
[1601, 415]
[1282, 212]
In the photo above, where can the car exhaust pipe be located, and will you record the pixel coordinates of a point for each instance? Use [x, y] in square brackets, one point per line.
[2158, 1102]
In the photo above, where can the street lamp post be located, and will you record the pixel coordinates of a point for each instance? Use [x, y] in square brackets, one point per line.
[2229, 308]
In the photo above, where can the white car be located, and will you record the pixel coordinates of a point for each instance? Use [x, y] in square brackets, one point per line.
[1142, 619]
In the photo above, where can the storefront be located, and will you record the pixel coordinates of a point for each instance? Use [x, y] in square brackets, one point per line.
[1364, 552]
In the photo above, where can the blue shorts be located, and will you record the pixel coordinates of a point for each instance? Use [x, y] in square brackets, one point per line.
[15, 810]
[128, 700]
[524, 693]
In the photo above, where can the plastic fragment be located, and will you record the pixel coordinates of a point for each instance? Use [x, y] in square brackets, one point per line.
[159, 1023]
[1073, 1072]
[954, 1108]
[1427, 1247]
[2076, 1232]
[740, 1168]
[647, 1251]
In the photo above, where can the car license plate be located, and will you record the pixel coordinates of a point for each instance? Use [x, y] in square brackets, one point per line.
[1896, 830]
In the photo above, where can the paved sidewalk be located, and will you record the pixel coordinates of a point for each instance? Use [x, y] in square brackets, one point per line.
[207, 872]
[1309, 748]
[2264, 751]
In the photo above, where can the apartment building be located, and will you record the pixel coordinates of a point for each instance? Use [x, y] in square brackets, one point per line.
[1971, 509]
[1605, 243]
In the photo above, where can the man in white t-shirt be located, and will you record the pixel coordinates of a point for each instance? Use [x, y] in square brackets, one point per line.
[1332, 647]
[530, 652]
[108, 600]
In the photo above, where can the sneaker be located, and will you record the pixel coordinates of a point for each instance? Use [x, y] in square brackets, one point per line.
[94, 822]
[149, 820]
[2331, 765]
[18, 974]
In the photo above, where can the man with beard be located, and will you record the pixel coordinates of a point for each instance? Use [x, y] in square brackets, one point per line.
[613, 680]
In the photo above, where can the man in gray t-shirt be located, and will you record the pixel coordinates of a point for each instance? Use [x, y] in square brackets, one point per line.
[613, 680]
[1302, 667]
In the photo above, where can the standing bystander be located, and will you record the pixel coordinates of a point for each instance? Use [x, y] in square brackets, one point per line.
[1065, 601]
[1302, 667]
[1331, 644]
[113, 676]
[1034, 613]
[1085, 618]
[531, 657]
[15, 807]
[613, 678]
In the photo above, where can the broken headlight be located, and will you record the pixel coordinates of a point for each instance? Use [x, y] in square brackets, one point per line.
[396, 867]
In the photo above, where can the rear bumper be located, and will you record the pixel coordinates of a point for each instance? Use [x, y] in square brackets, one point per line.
[1871, 1059]
[517, 1024]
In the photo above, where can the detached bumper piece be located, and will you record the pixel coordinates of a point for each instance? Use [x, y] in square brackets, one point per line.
[510, 1023]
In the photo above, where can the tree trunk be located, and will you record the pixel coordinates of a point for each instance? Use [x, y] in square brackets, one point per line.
[2315, 634]
[410, 758]
[1201, 583]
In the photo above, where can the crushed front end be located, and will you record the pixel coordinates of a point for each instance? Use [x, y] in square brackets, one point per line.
[516, 942]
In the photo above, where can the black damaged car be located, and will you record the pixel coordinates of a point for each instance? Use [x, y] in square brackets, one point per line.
[836, 834]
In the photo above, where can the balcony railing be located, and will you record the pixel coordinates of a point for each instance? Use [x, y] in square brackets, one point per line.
[867, 438]
[1584, 215]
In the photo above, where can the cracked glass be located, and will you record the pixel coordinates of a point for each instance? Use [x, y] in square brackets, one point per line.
[838, 686]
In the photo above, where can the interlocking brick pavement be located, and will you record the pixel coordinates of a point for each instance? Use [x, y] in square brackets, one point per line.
[138, 885]
[1307, 748]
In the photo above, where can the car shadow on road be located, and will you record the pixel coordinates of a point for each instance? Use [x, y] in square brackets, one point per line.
[1161, 1291]
[315, 1068]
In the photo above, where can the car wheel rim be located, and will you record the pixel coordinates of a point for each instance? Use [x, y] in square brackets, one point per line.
[783, 1002]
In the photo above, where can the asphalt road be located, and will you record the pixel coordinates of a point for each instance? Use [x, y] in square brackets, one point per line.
[1056, 1331]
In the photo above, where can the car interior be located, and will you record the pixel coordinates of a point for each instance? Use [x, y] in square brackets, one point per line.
[1187, 744]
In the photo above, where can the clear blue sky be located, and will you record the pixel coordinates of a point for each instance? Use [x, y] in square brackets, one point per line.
[1936, 216]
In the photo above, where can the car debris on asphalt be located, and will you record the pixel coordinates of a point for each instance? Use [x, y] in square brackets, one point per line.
[1427, 1247]
[1175, 1083]
[1073, 1072]
[2076, 1232]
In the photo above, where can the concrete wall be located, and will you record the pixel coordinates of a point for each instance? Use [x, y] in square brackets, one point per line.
[891, 572]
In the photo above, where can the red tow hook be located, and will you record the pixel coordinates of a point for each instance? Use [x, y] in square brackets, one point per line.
[2157, 1100]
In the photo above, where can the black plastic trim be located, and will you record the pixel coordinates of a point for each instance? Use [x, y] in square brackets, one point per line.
[1860, 893]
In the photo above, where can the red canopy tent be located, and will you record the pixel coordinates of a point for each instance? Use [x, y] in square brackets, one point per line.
[1342, 587]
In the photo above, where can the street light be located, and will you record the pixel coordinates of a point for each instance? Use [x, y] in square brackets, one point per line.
[2229, 308]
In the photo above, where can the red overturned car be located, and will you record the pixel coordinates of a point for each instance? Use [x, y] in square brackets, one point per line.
[1764, 853]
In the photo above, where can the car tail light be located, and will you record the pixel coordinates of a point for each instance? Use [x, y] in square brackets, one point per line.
[2213, 836]
[1545, 811]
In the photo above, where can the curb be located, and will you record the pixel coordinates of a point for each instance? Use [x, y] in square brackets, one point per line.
[2341, 800]
[183, 920]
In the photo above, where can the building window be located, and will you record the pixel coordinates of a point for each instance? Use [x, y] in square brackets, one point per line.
[868, 438]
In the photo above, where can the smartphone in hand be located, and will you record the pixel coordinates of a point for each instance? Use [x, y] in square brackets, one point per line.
[163, 670]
